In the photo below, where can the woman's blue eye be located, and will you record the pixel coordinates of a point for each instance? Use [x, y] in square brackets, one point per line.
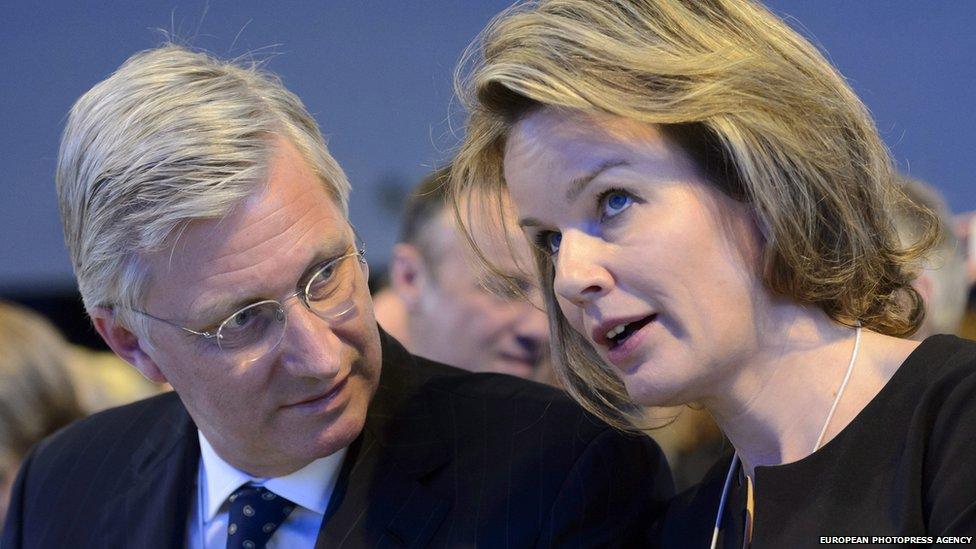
[553, 241]
[548, 241]
[615, 202]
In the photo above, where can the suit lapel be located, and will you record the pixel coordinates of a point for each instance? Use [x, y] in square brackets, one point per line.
[152, 511]
[380, 499]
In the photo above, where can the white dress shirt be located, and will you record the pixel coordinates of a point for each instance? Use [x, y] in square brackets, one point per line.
[309, 488]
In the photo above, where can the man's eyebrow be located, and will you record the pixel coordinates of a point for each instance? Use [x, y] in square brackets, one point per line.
[321, 258]
[208, 315]
[209, 312]
[577, 185]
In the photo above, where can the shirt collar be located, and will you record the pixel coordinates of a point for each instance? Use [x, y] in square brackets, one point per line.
[311, 486]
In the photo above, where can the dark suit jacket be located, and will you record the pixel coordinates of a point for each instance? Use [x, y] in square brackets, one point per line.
[447, 459]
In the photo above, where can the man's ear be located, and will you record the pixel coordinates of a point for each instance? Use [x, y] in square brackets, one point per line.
[125, 343]
[408, 274]
[925, 286]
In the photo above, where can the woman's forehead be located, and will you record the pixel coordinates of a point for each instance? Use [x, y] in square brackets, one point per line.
[559, 141]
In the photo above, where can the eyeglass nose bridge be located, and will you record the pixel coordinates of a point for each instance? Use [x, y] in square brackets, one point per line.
[281, 316]
[330, 318]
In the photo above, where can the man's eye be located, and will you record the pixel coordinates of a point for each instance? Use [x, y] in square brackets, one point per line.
[524, 286]
[323, 283]
[548, 241]
[614, 201]
[327, 271]
[242, 318]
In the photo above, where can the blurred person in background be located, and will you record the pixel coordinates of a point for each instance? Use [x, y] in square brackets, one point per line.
[37, 393]
[103, 380]
[943, 279]
[964, 225]
[453, 310]
[391, 311]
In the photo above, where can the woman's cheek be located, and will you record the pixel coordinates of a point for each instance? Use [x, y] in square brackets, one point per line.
[573, 314]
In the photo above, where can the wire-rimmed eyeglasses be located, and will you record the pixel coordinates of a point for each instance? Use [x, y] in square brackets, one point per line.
[256, 329]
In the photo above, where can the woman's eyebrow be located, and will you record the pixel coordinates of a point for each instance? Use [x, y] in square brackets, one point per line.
[578, 185]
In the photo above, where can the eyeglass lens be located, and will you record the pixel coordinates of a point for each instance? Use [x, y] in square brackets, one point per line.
[258, 328]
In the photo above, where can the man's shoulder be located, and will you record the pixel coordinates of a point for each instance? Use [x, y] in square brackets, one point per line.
[468, 407]
[442, 377]
[410, 373]
[136, 462]
[529, 404]
[525, 455]
[116, 430]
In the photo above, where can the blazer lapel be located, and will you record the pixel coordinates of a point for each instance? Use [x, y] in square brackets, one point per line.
[152, 511]
[380, 499]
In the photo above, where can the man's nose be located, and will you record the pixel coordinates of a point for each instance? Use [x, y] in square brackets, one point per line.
[580, 274]
[310, 347]
[532, 329]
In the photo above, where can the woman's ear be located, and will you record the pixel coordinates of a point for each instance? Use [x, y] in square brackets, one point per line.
[125, 343]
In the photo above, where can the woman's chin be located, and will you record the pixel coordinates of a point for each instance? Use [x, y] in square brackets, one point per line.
[657, 393]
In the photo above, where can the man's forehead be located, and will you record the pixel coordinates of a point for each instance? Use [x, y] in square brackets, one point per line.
[275, 218]
[263, 245]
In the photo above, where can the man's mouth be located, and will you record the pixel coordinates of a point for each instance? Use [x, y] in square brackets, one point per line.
[618, 334]
[321, 398]
[531, 360]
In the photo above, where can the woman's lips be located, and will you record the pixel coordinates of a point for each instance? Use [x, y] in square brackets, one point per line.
[623, 351]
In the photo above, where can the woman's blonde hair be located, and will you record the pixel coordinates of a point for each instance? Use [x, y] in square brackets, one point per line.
[765, 116]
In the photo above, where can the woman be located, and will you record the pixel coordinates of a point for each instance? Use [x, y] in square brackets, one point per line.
[709, 201]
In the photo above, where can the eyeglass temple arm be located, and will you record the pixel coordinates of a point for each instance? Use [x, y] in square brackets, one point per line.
[207, 335]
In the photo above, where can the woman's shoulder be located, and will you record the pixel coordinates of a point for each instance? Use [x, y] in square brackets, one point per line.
[948, 349]
[938, 372]
[931, 397]
[941, 365]
[947, 408]
[942, 371]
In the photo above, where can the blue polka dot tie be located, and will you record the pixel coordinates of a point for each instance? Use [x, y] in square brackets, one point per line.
[255, 514]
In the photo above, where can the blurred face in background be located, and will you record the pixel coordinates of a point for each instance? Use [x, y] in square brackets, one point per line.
[461, 314]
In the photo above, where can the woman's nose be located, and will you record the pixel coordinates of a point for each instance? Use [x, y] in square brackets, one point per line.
[581, 274]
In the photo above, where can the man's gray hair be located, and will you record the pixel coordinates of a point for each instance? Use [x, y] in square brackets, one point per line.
[171, 137]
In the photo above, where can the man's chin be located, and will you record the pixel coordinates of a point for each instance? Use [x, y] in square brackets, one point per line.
[339, 434]
[518, 368]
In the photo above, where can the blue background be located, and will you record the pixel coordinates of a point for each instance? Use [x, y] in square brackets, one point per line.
[378, 78]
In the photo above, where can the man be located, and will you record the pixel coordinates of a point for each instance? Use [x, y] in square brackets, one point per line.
[454, 311]
[207, 227]
[942, 280]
